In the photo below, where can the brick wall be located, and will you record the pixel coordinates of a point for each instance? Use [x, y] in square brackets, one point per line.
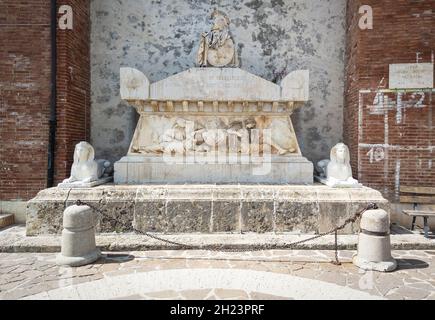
[24, 97]
[25, 56]
[73, 86]
[392, 143]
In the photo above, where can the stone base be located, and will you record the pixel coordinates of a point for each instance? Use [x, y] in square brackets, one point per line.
[91, 184]
[206, 208]
[78, 261]
[339, 184]
[383, 266]
[16, 208]
[280, 170]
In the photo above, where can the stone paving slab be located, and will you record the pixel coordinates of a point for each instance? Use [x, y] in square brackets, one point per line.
[174, 274]
[14, 240]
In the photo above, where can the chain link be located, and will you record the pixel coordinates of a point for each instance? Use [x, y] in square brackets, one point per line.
[223, 248]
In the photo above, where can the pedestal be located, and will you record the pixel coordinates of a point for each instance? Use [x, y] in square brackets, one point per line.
[274, 170]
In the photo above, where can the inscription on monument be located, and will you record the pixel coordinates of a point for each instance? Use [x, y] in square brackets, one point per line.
[215, 84]
[411, 75]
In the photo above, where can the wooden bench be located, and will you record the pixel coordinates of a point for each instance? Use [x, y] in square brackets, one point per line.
[416, 196]
[6, 220]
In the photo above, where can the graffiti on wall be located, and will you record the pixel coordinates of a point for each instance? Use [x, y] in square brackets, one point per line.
[395, 139]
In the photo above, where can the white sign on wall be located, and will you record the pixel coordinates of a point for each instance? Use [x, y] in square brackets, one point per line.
[411, 76]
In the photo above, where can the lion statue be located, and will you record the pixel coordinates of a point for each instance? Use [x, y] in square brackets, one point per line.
[85, 168]
[337, 170]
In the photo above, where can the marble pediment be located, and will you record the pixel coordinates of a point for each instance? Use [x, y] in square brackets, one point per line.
[214, 84]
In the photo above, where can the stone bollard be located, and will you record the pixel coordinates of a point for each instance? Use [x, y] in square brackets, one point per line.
[78, 237]
[374, 247]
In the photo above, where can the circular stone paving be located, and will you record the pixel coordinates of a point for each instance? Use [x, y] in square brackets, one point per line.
[198, 284]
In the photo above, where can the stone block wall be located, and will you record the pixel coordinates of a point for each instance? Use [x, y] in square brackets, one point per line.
[391, 143]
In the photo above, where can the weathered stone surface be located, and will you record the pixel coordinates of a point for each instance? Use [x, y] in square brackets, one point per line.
[78, 237]
[150, 216]
[257, 216]
[117, 209]
[376, 221]
[44, 216]
[374, 245]
[135, 85]
[188, 208]
[296, 85]
[297, 217]
[188, 216]
[333, 213]
[226, 216]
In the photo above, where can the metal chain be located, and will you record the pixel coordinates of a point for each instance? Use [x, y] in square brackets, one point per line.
[336, 262]
[221, 247]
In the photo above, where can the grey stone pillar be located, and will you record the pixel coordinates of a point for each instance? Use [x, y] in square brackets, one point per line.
[78, 237]
[374, 247]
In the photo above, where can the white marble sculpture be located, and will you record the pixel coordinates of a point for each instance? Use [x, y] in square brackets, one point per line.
[217, 48]
[337, 172]
[216, 123]
[87, 172]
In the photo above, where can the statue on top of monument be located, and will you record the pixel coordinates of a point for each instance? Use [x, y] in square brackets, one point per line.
[217, 48]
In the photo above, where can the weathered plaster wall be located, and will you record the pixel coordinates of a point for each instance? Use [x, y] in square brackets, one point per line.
[274, 37]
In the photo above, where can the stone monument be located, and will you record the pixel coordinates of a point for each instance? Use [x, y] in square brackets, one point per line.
[214, 124]
[214, 151]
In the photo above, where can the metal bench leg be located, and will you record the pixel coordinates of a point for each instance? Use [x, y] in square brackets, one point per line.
[413, 223]
[426, 228]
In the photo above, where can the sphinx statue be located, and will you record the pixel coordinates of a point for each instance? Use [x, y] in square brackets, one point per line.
[337, 172]
[86, 171]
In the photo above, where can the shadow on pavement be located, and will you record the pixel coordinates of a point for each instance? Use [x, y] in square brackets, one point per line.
[115, 258]
[406, 264]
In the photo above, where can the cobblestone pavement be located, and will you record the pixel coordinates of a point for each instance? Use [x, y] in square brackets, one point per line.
[209, 275]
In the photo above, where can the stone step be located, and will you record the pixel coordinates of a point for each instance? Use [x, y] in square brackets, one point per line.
[15, 240]
[6, 220]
